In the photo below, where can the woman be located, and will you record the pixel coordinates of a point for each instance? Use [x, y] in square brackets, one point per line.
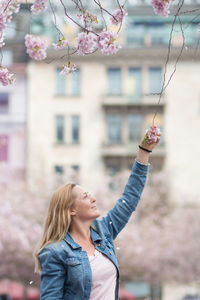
[76, 255]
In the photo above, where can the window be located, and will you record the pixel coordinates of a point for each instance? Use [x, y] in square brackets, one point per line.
[155, 80]
[76, 168]
[3, 148]
[135, 83]
[60, 129]
[69, 85]
[156, 32]
[134, 127]
[114, 81]
[59, 169]
[75, 129]
[114, 129]
[3, 103]
[75, 83]
[60, 83]
[135, 33]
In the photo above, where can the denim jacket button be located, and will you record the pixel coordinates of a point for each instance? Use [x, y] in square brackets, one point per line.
[110, 252]
[98, 245]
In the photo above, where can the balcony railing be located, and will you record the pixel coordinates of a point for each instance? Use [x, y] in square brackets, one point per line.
[131, 100]
[129, 149]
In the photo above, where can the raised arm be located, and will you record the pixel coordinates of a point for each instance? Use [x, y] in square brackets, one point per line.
[118, 216]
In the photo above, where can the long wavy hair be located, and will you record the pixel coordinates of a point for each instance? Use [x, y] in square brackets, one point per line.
[57, 221]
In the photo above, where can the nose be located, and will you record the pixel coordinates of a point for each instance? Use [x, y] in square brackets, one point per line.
[92, 199]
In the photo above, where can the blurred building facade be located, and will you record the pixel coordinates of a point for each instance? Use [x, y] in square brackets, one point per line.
[13, 98]
[92, 121]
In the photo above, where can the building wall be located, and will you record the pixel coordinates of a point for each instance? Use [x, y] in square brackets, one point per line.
[182, 125]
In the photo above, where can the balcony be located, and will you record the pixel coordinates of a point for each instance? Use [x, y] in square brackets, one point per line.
[129, 150]
[131, 100]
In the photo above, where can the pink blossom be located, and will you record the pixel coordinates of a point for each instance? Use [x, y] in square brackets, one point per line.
[68, 68]
[9, 7]
[39, 6]
[2, 22]
[107, 42]
[86, 43]
[6, 77]
[118, 16]
[87, 17]
[62, 43]
[35, 47]
[151, 135]
[161, 7]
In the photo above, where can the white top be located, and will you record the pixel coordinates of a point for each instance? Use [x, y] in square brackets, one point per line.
[104, 276]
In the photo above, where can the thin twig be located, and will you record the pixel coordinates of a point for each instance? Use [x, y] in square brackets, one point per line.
[55, 21]
[180, 4]
[105, 10]
[68, 16]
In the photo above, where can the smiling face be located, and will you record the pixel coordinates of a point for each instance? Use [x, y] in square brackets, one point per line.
[84, 207]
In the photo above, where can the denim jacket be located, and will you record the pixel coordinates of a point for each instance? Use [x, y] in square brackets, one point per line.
[66, 272]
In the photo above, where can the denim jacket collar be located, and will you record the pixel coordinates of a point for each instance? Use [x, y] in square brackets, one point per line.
[68, 238]
[94, 236]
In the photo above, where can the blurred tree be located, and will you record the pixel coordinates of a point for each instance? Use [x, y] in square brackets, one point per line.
[160, 243]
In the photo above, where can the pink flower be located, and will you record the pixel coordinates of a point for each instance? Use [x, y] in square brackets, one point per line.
[86, 43]
[161, 7]
[68, 68]
[9, 7]
[118, 16]
[35, 47]
[39, 6]
[6, 77]
[62, 43]
[87, 17]
[2, 22]
[151, 135]
[107, 42]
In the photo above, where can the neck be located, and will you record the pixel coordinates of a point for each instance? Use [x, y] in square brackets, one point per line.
[80, 230]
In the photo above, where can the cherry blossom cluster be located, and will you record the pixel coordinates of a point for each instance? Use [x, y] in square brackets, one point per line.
[62, 43]
[6, 13]
[107, 42]
[161, 7]
[86, 43]
[7, 8]
[68, 68]
[87, 17]
[118, 16]
[39, 6]
[6, 77]
[88, 40]
[35, 47]
[152, 135]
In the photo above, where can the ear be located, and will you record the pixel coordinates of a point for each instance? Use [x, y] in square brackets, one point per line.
[72, 212]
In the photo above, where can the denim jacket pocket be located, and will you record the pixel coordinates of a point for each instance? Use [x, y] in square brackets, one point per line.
[74, 268]
[72, 261]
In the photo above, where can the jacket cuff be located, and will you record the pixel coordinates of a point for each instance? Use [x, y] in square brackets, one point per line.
[140, 168]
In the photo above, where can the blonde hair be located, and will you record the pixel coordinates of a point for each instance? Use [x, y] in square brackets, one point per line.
[57, 221]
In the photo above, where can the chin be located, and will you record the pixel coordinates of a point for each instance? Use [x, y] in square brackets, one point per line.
[97, 214]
